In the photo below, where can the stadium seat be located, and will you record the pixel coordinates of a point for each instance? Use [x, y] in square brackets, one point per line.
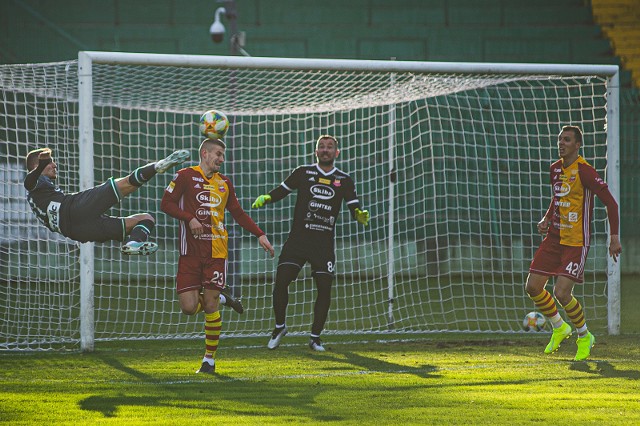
[619, 20]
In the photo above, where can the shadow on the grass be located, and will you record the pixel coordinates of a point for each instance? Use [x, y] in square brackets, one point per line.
[108, 405]
[604, 369]
[216, 393]
[364, 363]
[268, 396]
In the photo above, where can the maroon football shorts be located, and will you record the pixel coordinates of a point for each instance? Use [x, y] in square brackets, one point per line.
[195, 273]
[554, 259]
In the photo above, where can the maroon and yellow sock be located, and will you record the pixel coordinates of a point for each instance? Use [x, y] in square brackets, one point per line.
[547, 306]
[212, 328]
[576, 315]
[545, 303]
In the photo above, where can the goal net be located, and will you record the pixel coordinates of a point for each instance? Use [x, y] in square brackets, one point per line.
[451, 160]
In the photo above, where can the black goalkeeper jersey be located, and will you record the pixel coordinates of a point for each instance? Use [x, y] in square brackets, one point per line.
[319, 199]
[45, 200]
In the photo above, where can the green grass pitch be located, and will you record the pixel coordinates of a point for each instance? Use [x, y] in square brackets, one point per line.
[443, 378]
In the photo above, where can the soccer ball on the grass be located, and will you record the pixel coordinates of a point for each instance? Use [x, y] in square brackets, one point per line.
[214, 124]
[534, 321]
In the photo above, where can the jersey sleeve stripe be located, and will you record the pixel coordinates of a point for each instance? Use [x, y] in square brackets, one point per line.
[586, 217]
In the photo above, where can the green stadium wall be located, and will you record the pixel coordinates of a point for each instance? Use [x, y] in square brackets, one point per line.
[554, 31]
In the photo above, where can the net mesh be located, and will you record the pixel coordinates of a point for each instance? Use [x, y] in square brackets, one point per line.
[467, 156]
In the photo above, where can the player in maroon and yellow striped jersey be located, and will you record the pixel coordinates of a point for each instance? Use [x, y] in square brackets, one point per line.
[198, 197]
[563, 252]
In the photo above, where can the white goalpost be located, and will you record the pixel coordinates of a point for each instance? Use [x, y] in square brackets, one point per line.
[451, 159]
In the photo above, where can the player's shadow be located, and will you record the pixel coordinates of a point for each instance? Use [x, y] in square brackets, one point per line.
[117, 365]
[604, 369]
[302, 400]
[375, 365]
[108, 405]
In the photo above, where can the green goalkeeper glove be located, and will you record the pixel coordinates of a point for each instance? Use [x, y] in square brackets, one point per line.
[261, 201]
[362, 216]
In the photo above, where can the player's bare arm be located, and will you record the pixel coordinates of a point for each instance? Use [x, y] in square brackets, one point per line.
[45, 155]
[615, 248]
[196, 227]
[543, 225]
[266, 245]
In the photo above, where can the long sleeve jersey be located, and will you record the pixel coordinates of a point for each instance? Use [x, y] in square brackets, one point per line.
[192, 195]
[571, 208]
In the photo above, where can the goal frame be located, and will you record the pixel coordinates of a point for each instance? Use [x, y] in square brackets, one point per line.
[86, 59]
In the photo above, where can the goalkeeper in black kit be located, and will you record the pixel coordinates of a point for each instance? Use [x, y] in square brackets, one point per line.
[321, 188]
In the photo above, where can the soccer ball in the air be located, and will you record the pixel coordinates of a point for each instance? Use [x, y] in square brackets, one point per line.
[534, 321]
[214, 124]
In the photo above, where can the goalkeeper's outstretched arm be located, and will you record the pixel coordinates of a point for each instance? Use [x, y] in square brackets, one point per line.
[275, 195]
[261, 201]
[362, 216]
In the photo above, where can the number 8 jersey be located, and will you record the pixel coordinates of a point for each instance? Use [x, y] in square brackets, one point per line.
[320, 196]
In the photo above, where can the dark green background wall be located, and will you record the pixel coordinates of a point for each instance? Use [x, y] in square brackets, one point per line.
[437, 30]
[556, 31]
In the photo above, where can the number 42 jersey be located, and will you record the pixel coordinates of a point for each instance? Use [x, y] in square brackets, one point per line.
[571, 208]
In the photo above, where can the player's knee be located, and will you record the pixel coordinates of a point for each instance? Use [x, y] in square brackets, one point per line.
[534, 285]
[324, 294]
[323, 280]
[531, 289]
[140, 217]
[146, 216]
[189, 309]
[562, 295]
[280, 288]
[284, 276]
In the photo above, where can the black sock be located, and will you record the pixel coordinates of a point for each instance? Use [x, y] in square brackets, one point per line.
[323, 302]
[142, 174]
[141, 231]
[284, 275]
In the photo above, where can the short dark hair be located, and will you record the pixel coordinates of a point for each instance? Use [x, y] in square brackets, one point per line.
[327, 137]
[218, 142]
[31, 161]
[577, 132]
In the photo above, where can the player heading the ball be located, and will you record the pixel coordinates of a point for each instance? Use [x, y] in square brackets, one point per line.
[198, 197]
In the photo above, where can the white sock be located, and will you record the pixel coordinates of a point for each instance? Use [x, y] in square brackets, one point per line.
[556, 321]
[209, 361]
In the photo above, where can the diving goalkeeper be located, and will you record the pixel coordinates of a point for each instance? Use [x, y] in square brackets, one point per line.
[321, 188]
